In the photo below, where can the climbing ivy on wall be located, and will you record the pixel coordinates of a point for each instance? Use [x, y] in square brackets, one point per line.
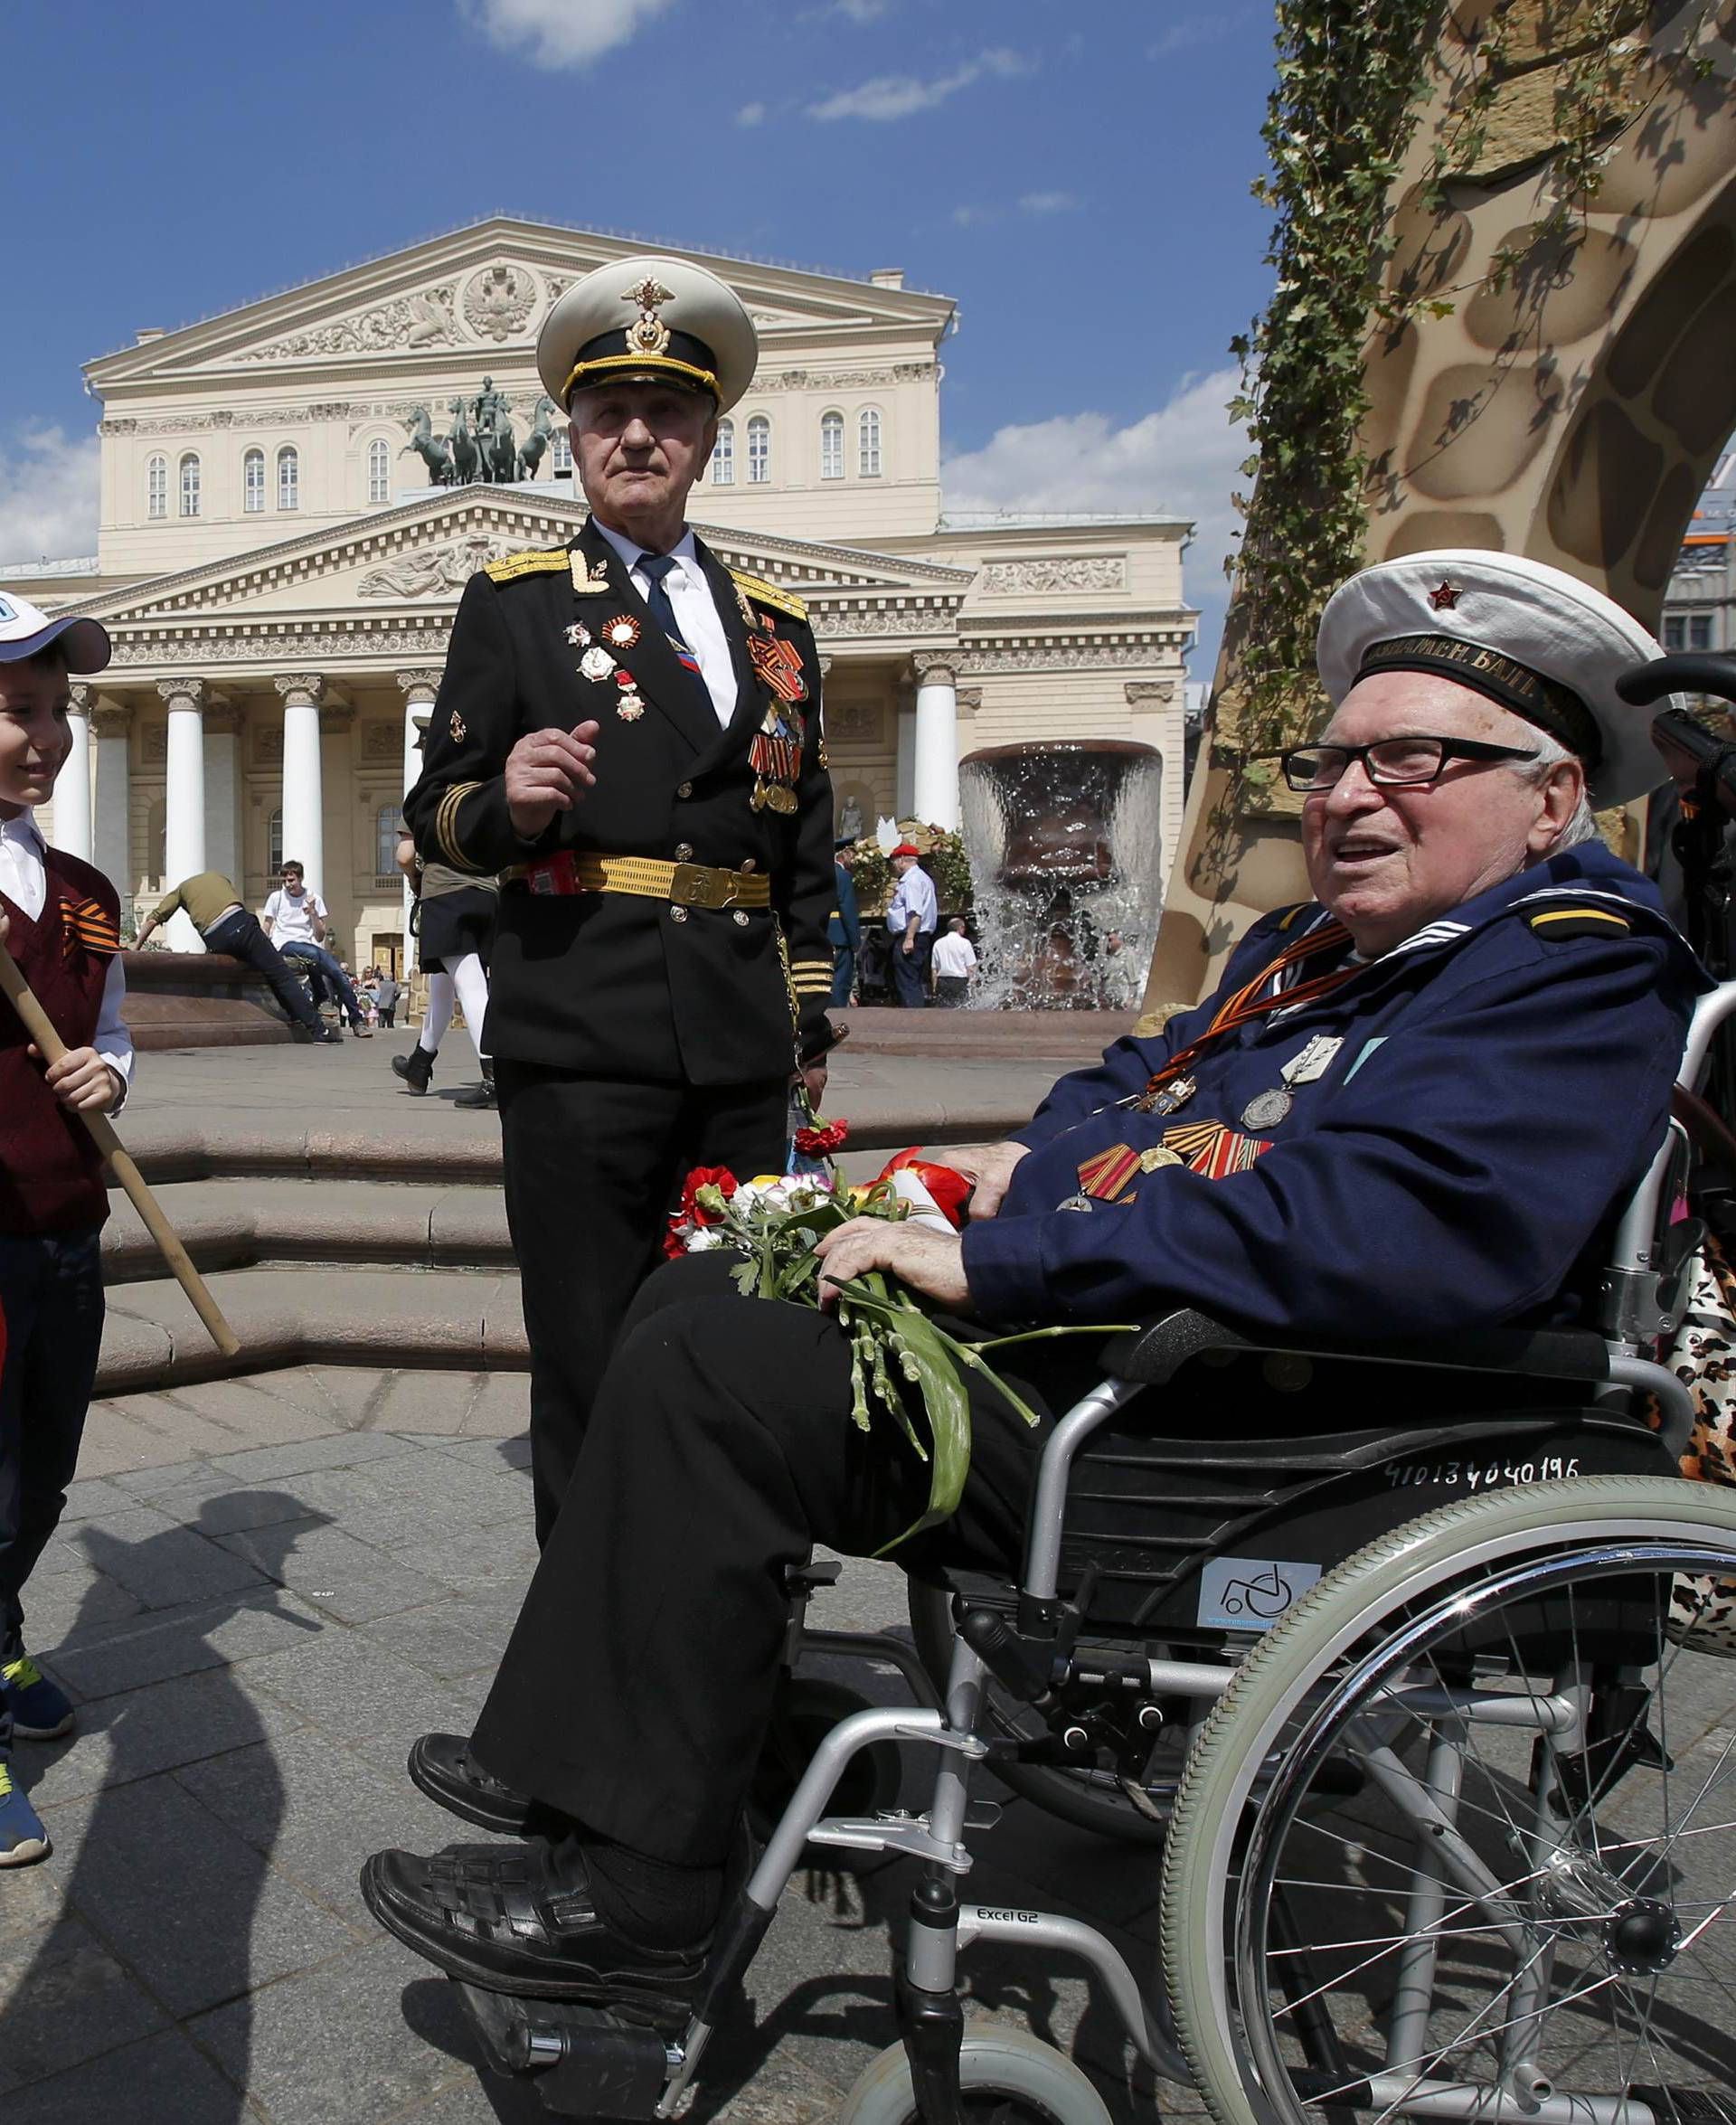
[1339, 127]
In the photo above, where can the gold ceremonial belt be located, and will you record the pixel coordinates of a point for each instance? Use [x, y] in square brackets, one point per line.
[691, 885]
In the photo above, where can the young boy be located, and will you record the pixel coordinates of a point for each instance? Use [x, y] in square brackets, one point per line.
[60, 922]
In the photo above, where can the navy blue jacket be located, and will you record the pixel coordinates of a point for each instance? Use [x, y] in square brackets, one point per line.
[844, 930]
[1498, 1092]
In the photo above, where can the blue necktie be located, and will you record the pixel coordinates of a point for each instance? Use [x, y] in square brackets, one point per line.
[657, 566]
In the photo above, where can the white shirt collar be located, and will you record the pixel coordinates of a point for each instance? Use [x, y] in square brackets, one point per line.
[632, 553]
[24, 828]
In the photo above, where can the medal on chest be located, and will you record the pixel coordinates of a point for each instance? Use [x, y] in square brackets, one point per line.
[1266, 1110]
[775, 755]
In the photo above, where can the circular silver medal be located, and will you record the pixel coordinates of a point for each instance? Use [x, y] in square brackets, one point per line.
[1266, 1110]
[1074, 1203]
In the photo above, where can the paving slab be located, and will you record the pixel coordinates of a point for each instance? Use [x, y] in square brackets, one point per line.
[163, 2080]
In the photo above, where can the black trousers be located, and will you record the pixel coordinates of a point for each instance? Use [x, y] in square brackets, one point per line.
[637, 1683]
[910, 970]
[240, 936]
[592, 1166]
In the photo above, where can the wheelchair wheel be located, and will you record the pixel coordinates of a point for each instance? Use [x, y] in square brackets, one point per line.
[1527, 1916]
[1007, 2077]
[1092, 1799]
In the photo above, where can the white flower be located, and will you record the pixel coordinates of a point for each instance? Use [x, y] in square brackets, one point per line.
[704, 1240]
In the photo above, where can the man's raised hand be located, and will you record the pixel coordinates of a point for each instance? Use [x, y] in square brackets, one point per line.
[547, 772]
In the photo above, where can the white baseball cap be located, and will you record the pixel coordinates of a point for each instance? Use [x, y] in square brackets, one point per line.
[25, 630]
[1530, 637]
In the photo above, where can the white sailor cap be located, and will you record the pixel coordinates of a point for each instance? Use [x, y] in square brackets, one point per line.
[1531, 638]
[648, 321]
[24, 630]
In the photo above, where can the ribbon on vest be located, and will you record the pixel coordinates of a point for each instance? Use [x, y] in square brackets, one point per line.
[85, 925]
[1247, 1003]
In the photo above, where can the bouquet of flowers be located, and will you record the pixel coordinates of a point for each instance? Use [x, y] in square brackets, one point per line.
[775, 1221]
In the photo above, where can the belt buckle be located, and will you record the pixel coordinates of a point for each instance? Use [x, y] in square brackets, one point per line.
[696, 885]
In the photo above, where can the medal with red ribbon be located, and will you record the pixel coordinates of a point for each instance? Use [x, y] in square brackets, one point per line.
[778, 664]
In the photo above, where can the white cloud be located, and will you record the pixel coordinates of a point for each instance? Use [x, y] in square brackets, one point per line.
[750, 113]
[1049, 202]
[860, 12]
[899, 96]
[1180, 461]
[968, 217]
[49, 491]
[555, 34]
[1194, 30]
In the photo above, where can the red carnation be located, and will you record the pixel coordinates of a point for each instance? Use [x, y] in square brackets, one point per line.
[706, 1176]
[822, 1139]
[949, 1188]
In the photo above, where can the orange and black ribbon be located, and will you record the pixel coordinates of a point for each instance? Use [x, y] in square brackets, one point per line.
[1249, 1003]
[85, 925]
[778, 664]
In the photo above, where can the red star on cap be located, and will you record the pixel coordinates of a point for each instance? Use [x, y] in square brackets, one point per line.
[1446, 598]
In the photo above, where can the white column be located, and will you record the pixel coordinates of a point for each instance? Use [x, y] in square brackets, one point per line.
[936, 794]
[304, 817]
[112, 841]
[420, 688]
[183, 833]
[223, 792]
[904, 760]
[72, 788]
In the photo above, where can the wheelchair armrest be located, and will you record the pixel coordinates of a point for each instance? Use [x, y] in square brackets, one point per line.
[1158, 1351]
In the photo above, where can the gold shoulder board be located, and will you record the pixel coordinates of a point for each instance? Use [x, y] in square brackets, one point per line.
[542, 561]
[764, 593]
[1562, 923]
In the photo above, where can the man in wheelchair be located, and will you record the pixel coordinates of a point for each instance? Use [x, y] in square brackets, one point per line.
[1413, 1107]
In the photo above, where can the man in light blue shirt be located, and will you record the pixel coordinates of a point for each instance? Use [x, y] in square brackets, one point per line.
[912, 919]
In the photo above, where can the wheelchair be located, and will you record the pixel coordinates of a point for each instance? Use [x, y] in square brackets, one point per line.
[1403, 1707]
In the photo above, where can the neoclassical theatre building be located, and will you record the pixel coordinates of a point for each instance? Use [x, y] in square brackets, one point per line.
[295, 493]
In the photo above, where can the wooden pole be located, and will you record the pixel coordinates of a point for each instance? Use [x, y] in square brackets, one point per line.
[51, 1048]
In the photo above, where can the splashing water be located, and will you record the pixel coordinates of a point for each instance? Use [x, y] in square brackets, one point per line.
[1065, 863]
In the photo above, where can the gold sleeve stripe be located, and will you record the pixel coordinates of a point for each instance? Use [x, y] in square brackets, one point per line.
[445, 826]
[534, 561]
[772, 594]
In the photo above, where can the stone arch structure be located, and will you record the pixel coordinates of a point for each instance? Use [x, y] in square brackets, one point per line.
[1571, 409]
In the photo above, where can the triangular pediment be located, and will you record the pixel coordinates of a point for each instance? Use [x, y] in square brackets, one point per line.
[485, 290]
[419, 556]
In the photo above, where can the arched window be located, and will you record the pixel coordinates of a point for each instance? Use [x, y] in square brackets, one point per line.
[385, 840]
[253, 482]
[831, 446]
[724, 455]
[560, 456]
[379, 470]
[758, 450]
[156, 488]
[274, 844]
[868, 444]
[288, 479]
[190, 484]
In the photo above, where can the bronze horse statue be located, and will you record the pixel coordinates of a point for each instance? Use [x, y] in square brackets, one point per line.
[467, 459]
[530, 450]
[429, 446]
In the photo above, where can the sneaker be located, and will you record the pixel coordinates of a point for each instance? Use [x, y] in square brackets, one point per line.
[41, 1710]
[23, 1837]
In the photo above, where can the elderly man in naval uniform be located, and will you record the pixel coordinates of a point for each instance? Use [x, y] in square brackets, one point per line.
[629, 732]
[1412, 1107]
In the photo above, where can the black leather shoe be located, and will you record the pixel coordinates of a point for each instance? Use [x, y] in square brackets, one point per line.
[442, 1767]
[515, 1918]
[416, 1069]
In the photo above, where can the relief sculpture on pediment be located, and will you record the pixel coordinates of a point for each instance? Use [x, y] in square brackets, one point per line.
[433, 572]
[423, 320]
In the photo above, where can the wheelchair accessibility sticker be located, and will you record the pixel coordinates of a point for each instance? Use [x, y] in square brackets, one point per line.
[1247, 1593]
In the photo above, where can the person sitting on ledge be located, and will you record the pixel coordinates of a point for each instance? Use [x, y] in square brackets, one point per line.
[1412, 1108]
[213, 905]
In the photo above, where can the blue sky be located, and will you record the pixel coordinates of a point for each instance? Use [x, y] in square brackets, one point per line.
[1076, 178]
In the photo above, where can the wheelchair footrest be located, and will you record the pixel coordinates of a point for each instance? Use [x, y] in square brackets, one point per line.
[582, 2062]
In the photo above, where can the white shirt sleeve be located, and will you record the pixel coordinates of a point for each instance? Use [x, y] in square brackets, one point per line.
[268, 914]
[112, 1041]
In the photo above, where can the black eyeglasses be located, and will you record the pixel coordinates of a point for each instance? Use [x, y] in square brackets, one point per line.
[1391, 762]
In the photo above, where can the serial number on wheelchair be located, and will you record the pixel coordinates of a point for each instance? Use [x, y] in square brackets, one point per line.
[1463, 1475]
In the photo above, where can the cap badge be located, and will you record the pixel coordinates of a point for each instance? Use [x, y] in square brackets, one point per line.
[1445, 596]
[647, 333]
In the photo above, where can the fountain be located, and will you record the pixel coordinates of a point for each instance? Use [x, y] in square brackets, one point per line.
[1064, 848]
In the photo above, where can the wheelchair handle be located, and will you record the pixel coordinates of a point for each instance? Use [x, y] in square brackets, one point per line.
[1697, 672]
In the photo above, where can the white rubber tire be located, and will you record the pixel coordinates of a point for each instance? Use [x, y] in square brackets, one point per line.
[1422, 1558]
[995, 2059]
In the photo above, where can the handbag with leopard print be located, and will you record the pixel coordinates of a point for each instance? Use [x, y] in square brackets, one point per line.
[1702, 1354]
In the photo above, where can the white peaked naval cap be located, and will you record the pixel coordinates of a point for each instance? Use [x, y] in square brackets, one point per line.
[649, 320]
[1529, 636]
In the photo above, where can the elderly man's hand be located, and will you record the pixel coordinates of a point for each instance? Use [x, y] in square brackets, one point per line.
[928, 1261]
[548, 772]
[989, 1169]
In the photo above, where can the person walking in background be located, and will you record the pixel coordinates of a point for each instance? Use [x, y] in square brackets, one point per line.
[954, 962]
[211, 904]
[295, 919]
[386, 993]
[844, 927]
[455, 929]
[910, 924]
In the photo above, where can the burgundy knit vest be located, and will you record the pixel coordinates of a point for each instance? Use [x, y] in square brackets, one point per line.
[50, 1176]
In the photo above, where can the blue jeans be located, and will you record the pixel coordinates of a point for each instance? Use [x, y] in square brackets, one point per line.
[51, 1294]
[327, 978]
[910, 970]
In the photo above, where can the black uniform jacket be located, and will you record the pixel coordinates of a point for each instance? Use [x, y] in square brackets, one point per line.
[610, 983]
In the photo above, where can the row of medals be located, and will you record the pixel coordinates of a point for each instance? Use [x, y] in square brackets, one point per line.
[597, 663]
